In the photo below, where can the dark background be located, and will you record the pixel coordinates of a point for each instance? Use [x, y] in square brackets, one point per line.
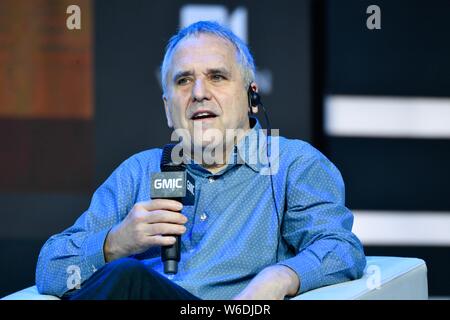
[312, 48]
[408, 57]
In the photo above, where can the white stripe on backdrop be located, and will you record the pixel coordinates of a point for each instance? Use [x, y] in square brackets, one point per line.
[398, 117]
[402, 228]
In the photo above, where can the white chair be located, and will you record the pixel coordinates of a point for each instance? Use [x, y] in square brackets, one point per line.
[385, 278]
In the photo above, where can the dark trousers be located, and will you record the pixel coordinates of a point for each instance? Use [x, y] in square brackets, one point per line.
[125, 279]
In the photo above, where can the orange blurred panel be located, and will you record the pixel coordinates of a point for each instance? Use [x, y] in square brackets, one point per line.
[45, 68]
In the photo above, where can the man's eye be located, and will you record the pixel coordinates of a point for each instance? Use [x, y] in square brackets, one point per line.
[182, 81]
[217, 77]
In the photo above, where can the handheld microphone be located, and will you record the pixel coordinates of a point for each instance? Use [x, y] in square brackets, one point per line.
[173, 182]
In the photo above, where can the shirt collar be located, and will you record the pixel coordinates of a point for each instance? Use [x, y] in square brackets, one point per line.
[251, 147]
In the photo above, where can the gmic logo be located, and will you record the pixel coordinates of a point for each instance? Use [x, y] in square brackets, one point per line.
[168, 183]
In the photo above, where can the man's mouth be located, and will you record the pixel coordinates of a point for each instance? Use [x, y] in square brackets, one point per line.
[202, 115]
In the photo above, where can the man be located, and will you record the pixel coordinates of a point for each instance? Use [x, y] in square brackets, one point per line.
[249, 235]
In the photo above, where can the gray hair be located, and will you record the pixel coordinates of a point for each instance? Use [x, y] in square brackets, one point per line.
[243, 55]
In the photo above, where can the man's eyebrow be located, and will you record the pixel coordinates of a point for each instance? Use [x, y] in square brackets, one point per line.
[222, 71]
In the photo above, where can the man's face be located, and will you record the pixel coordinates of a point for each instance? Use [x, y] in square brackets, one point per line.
[205, 88]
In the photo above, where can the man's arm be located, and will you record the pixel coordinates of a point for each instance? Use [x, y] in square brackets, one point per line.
[80, 247]
[318, 226]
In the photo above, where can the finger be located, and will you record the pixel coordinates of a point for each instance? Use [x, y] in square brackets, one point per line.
[161, 216]
[160, 204]
[159, 240]
[163, 229]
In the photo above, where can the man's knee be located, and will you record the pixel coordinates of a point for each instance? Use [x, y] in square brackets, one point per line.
[127, 267]
[115, 280]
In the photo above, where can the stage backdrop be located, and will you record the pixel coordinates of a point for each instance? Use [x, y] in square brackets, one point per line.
[75, 103]
[387, 125]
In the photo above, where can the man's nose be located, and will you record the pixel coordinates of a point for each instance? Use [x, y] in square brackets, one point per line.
[200, 91]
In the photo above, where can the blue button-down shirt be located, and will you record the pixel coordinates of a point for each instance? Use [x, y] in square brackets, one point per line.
[232, 229]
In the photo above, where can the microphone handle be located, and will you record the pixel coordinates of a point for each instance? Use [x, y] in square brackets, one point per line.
[171, 255]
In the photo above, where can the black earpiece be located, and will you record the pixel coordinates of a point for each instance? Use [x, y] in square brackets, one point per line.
[254, 97]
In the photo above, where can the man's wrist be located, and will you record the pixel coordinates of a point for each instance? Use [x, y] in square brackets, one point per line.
[289, 279]
[108, 248]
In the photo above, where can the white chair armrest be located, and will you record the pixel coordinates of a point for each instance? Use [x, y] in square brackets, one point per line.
[385, 278]
[30, 293]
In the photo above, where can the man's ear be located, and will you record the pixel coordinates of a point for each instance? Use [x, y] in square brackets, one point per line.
[168, 115]
[254, 86]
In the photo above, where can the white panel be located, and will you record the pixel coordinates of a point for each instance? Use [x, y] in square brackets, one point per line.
[195, 12]
[402, 228]
[236, 20]
[368, 116]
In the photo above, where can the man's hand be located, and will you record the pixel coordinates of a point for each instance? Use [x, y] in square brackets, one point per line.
[272, 283]
[146, 225]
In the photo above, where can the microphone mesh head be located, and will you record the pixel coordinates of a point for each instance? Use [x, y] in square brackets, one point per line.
[167, 164]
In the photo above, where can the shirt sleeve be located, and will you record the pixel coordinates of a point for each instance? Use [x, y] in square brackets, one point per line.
[77, 252]
[317, 225]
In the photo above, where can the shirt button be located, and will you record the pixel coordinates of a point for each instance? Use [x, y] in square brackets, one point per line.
[211, 179]
[203, 217]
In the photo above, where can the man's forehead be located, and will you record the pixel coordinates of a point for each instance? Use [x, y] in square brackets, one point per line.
[203, 53]
[205, 48]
